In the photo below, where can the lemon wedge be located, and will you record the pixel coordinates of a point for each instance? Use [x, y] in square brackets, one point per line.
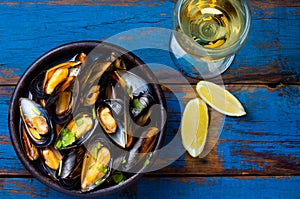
[219, 99]
[194, 126]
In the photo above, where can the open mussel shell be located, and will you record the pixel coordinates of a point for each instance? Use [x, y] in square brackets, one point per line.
[69, 175]
[96, 166]
[134, 159]
[64, 101]
[91, 75]
[140, 94]
[37, 123]
[59, 55]
[47, 82]
[31, 150]
[115, 122]
[76, 131]
[51, 160]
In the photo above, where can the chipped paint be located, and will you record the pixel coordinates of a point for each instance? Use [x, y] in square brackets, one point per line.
[86, 3]
[4, 139]
[258, 4]
[274, 44]
[22, 188]
[8, 75]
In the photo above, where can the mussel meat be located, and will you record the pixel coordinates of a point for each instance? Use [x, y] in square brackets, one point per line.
[106, 120]
[118, 62]
[63, 100]
[51, 157]
[75, 132]
[37, 123]
[45, 83]
[81, 57]
[115, 122]
[63, 106]
[51, 161]
[93, 75]
[96, 166]
[92, 95]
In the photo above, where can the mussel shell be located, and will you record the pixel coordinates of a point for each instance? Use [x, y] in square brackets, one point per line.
[70, 183]
[53, 173]
[27, 107]
[31, 150]
[97, 144]
[136, 84]
[141, 115]
[82, 139]
[141, 95]
[118, 110]
[92, 75]
[66, 113]
[71, 164]
[140, 149]
[36, 86]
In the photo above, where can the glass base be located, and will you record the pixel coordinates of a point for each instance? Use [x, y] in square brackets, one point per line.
[194, 67]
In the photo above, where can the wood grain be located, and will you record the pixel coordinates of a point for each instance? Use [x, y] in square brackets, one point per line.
[31, 28]
[256, 156]
[188, 187]
[265, 141]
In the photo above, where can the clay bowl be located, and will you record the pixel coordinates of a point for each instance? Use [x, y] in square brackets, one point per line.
[58, 55]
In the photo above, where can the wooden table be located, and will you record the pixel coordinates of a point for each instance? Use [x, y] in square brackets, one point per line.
[257, 156]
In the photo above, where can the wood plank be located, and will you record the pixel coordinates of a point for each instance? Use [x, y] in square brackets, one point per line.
[184, 187]
[265, 141]
[31, 28]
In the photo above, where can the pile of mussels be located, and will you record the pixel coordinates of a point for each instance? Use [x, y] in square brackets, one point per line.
[77, 115]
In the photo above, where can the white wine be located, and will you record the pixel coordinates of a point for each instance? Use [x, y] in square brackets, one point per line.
[208, 35]
[212, 23]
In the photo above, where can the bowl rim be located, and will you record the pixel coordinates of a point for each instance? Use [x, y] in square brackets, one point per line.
[13, 115]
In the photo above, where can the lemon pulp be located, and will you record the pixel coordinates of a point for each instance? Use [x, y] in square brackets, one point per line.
[194, 126]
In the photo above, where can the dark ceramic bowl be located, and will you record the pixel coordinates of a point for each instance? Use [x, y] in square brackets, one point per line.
[57, 55]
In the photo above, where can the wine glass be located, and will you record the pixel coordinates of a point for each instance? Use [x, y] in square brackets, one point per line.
[208, 34]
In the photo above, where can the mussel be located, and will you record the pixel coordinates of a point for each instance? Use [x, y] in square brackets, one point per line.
[37, 123]
[31, 150]
[92, 75]
[71, 168]
[75, 132]
[97, 76]
[52, 157]
[107, 120]
[81, 57]
[140, 94]
[117, 60]
[63, 100]
[96, 165]
[91, 95]
[140, 149]
[45, 83]
[78, 111]
[115, 122]
[52, 160]
[63, 106]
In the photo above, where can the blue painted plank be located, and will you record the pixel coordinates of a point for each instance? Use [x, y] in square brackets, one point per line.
[266, 140]
[185, 187]
[29, 29]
